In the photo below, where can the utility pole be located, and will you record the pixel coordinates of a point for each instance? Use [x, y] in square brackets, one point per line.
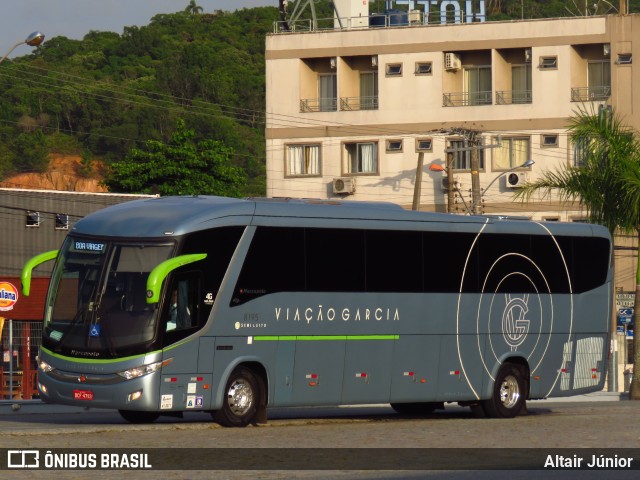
[417, 189]
[476, 195]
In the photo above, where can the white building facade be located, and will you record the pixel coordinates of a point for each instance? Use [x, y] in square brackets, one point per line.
[353, 111]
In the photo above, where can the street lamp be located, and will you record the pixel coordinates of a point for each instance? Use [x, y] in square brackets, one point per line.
[471, 209]
[528, 163]
[33, 40]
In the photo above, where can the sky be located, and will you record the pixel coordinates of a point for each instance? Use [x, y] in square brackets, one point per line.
[75, 18]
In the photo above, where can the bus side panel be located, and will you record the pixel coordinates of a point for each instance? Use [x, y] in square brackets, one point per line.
[281, 385]
[415, 368]
[318, 372]
[183, 385]
[367, 371]
[457, 381]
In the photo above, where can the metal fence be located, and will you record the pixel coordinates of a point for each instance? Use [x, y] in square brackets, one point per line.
[20, 341]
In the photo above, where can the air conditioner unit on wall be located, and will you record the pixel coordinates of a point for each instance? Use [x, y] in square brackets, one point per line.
[344, 185]
[452, 61]
[516, 179]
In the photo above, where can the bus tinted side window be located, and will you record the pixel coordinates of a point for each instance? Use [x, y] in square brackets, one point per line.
[335, 260]
[219, 245]
[394, 261]
[274, 263]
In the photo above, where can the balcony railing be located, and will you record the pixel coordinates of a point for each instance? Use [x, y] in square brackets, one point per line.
[359, 103]
[465, 99]
[509, 97]
[318, 104]
[590, 94]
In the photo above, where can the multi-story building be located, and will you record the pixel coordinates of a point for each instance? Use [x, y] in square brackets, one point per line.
[353, 110]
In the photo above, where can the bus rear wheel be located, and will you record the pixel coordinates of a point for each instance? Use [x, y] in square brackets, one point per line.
[133, 416]
[241, 399]
[509, 393]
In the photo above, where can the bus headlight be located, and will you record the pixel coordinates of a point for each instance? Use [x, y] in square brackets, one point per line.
[44, 366]
[144, 369]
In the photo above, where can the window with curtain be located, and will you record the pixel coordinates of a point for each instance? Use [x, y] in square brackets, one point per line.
[512, 153]
[599, 78]
[362, 157]
[521, 83]
[368, 90]
[303, 159]
[328, 92]
[478, 85]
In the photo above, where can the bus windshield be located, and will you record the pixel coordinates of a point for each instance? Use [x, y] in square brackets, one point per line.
[96, 306]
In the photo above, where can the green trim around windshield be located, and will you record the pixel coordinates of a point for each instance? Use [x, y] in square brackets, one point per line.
[32, 263]
[94, 360]
[160, 272]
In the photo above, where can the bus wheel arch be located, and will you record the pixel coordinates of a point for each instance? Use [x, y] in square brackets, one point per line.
[509, 391]
[244, 397]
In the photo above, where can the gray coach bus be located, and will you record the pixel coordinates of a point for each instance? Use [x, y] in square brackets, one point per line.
[168, 305]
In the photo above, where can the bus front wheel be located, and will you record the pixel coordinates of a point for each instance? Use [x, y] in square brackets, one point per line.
[133, 416]
[509, 393]
[241, 399]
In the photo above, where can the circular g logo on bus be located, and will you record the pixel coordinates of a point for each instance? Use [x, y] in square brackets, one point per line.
[8, 296]
[514, 298]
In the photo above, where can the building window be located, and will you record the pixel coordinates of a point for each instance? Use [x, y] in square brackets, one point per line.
[362, 157]
[303, 160]
[423, 68]
[368, 90]
[394, 145]
[328, 92]
[580, 151]
[33, 219]
[548, 63]
[394, 69]
[550, 219]
[478, 85]
[424, 145]
[599, 80]
[549, 140]
[512, 153]
[624, 59]
[521, 83]
[462, 155]
[62, 221]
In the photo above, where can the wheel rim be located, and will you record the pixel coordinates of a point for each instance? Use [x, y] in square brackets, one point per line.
[240, 397]
[510, 392]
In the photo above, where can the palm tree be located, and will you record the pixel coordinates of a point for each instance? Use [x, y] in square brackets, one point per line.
[193, 8]
[606, 182]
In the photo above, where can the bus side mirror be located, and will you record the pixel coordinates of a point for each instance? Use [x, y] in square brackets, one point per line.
[160, 272]
[25, 277]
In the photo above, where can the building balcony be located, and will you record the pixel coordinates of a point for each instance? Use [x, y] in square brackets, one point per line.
[359, 103]
[509, 97]
[318, 105]
[465, 99]
[590, 94]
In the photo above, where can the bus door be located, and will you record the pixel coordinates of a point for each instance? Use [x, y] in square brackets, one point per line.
[181, 386]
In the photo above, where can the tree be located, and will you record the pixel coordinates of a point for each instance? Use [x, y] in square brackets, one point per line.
[180, 168]
[604, 183]
[193, 9]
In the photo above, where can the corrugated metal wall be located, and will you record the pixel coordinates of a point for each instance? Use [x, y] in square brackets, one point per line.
[19, 242]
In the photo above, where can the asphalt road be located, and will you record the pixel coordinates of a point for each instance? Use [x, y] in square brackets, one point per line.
[328, 439]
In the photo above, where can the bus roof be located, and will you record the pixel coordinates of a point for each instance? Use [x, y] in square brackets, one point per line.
[177, 215]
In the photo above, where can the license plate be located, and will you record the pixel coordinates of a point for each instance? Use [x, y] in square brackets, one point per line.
[83, 395]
